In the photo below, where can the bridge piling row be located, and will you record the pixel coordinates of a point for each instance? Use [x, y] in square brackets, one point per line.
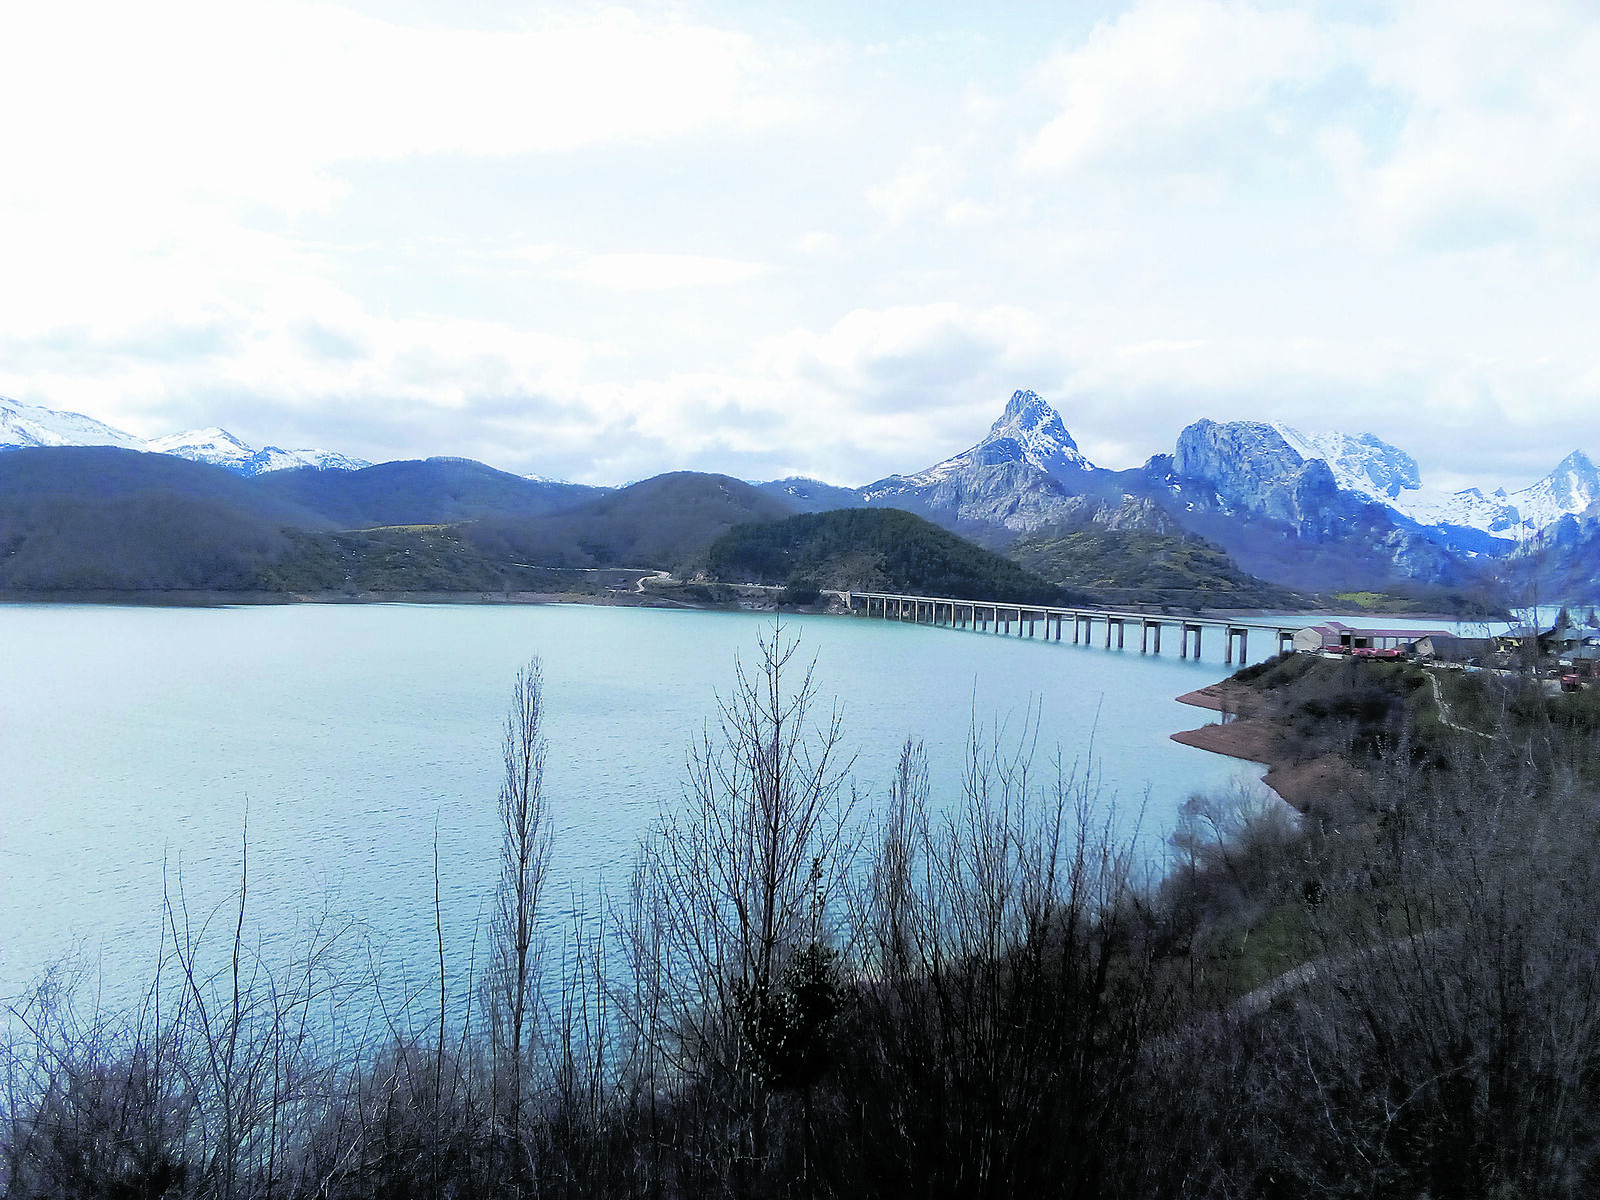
[991, 617]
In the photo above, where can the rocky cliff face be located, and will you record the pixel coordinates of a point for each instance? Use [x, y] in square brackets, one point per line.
[1243, 484]
[1013, 496]
[1252, 469]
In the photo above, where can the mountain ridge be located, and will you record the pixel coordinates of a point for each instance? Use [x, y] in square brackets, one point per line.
[25, 426]
[1300, 509]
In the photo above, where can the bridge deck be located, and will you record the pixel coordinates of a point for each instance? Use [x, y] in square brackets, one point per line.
[999, 615]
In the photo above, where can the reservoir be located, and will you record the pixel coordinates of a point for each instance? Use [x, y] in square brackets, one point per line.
[349, 748]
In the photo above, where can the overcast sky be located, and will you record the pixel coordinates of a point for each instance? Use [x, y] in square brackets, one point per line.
[831, 238]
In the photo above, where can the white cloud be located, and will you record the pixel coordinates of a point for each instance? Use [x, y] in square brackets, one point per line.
[935, 353]
[925, 182]
[286, 217]
[256, 99]
[819, 243]
[1500, 141]
[1164, 67]
[660, 272]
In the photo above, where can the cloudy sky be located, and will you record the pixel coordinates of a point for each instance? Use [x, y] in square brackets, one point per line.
[599, 242]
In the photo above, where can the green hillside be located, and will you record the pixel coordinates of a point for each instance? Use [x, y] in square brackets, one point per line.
[154, 541]
[1135, 566]
[91, 474]
[423, 492]
[104, 520]
[873, 550]
[669, 522]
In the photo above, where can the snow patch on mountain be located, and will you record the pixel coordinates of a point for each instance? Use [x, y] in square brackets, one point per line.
[275, 458]
[213, 445]
[1360, 463]
[221, 449]
[1569, 490]
[1471, 508]
[1572, 489]
[1385, 474]
[23, 425]
[1030, 431]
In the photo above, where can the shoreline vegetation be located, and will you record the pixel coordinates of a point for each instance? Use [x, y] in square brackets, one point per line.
[982, 992]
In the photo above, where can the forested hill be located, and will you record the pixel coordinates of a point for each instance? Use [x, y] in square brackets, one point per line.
[430, 491]
[1134, 566]
[66, 475]
[874, 550]
[669, 522]
[82, 520]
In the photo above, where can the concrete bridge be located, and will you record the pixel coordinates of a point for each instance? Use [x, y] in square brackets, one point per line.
[987, 616]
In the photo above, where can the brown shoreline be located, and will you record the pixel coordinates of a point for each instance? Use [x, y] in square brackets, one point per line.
[1258, 740]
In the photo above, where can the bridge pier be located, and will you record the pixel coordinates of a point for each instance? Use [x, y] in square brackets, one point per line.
[1230, 633]
[1188, 628]
[1144, 635]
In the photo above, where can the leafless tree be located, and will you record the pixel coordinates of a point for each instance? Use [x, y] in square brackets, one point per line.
[1005, 983]
[524, 857]
[737, 884]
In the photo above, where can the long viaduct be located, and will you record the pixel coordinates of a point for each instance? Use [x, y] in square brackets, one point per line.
[1027, 619]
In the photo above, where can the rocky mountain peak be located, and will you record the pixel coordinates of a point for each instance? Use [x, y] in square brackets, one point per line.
[1576, 465]
[1570, 489]
[1029, 432]
[1027, 410]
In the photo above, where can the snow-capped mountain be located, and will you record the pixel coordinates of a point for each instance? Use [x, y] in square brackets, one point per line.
[24, 425]
[30, 425]
[1360, 463]
[1572, 488]
[1029, 431]
[1365, 466]
[1023, 475]
[221, 449]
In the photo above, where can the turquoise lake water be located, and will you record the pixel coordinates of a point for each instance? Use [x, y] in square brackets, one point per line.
[141, 747]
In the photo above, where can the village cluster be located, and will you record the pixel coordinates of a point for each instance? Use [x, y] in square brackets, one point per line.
[1567, 653]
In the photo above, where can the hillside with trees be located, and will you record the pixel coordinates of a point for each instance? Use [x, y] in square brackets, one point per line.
[81, 521]
[667, 522]
[1136, 566]
[435, 491]
[874, 550]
